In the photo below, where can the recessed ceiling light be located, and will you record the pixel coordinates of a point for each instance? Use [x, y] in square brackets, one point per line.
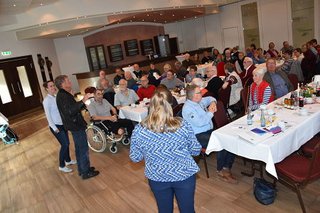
[41, 4]
[14, 5]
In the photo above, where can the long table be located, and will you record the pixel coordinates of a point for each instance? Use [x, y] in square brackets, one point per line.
[299, 129]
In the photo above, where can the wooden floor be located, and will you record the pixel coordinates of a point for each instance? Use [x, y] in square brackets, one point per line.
[31, 182]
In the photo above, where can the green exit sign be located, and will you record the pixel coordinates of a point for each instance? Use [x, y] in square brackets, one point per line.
[6, 53]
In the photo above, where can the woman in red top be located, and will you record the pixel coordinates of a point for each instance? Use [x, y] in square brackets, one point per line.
[260, 90]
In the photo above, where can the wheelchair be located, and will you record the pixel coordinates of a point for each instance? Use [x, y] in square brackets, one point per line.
[7, 135]
[98, 135]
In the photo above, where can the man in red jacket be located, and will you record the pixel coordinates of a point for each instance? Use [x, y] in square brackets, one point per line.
[146, 90]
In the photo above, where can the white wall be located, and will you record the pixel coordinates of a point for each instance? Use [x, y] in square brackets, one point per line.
[72, 57]
[274, 25]
[45, 47]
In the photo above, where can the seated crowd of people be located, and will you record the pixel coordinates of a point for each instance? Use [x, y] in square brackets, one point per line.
[259, 72]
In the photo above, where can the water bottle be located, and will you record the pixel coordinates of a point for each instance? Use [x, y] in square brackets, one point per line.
[249, 117]
[262, 118]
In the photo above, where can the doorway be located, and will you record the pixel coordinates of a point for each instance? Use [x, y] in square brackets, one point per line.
[19, 87]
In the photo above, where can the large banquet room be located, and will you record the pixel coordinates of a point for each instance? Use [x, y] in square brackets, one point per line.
[160, 106]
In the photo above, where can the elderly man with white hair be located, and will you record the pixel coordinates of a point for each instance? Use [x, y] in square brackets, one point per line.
[246, 75]
[260, 90]
[215, 82]
[125, 96]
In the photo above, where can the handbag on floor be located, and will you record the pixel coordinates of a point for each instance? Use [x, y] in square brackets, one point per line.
[264, 192]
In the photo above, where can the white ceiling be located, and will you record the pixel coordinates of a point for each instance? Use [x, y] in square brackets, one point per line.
[61, 18]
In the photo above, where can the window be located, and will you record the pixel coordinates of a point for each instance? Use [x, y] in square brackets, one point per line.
[96, 58]
[250, 24]
[302, 21]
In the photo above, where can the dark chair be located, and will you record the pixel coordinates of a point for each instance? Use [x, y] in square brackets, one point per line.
[224, 96]
[297, 171]
[294, 80]
[245, 98]
[208, 94]
[248, 82]
[220, 116]
[177, 110]
[309, 147]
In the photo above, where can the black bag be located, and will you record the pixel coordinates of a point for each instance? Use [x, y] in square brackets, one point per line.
[264, 191]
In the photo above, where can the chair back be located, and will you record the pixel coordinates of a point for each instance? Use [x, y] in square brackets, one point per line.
[220, 69]
[294, 80]
[177, 110]
[248, 82]
[245, 98]
[224, 96]
[220, 116]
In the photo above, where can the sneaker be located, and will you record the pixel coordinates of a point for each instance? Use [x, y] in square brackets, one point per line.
[65, 169]
[72, 162]
[90, 174]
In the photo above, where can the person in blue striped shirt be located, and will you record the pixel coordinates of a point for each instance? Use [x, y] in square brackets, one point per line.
[167, 144]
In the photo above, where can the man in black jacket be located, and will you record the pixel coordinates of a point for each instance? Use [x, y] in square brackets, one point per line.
[70, 111]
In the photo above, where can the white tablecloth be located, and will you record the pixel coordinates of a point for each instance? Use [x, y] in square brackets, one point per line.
[137, 113]
[274, 149]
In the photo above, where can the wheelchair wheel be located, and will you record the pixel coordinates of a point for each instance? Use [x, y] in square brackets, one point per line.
[96, 140]
[126, 141]
[113, 149]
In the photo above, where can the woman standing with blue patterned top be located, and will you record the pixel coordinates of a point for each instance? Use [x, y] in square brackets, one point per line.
[167, 144]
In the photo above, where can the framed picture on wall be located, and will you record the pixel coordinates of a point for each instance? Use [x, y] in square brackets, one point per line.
[146, 47]
[115, 52]
[131, 47]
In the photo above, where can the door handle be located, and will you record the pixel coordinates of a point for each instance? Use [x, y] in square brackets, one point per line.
[19, 86]
[12, 87]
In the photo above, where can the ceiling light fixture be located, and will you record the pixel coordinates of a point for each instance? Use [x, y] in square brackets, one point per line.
[14, 5]
[41, 4]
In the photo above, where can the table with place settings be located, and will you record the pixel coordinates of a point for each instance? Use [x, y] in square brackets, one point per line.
[137, 113]
[299, 128]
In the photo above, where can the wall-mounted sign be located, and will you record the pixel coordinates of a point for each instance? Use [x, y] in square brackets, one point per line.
[6, 53]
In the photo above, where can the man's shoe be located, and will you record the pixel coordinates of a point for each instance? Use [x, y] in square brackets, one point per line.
[72, 162]
[90, 169]
[65, 169]
[90, 174]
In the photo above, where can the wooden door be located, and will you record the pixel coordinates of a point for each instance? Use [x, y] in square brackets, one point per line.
[19, 85]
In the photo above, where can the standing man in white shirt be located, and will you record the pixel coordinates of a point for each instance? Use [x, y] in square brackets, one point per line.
[56, 126]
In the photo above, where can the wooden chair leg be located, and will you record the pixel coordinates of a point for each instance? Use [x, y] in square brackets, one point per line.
[205, 163]
[297, 189]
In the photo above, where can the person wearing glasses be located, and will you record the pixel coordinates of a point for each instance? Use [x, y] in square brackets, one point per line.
[146, 90]
[246, 75]
[199, 111]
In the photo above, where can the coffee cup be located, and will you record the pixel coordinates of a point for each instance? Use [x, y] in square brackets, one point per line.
[308, 100]
[303, 111]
